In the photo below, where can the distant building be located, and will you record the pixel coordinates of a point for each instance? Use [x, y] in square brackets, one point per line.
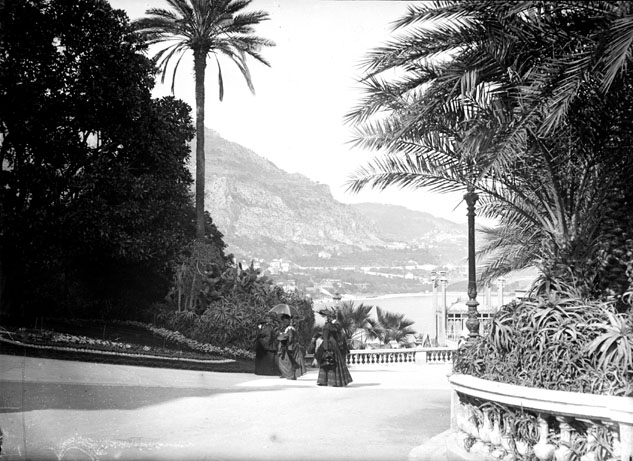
[457, 315]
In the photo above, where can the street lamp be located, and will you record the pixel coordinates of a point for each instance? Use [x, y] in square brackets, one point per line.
[473, 321]
[435, 310]
[442, 322]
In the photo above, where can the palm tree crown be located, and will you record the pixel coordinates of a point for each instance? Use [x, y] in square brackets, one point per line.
[509, 98]
[206, 28]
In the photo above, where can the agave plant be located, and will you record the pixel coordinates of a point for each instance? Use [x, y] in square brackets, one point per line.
[556, 341]
[614, 347]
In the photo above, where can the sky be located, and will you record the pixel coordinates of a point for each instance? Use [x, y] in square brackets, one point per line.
[295, 118]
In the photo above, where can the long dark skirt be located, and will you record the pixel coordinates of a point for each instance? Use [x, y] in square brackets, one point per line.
[298, 355]
[337, 375]
[288, 367]
[266, 363]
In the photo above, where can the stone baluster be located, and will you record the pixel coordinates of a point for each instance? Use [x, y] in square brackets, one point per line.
[564, 449]
[495, 436]
[617, 446]
[592, 441]
[542, 450]
[486, 427]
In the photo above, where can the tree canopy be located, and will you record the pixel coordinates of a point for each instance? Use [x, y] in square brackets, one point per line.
[95, 187]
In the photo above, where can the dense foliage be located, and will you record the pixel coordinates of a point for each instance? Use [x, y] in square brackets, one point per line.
[95, 189]
[557, 341]
[228, 305]
[526, 104]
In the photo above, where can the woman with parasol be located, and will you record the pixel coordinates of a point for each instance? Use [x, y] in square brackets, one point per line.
[290, 354]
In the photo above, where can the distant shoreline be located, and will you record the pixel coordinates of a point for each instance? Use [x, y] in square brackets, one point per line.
[393, 295]
[327, 300]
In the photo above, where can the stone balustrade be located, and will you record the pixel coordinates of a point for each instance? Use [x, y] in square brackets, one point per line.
[509, 421]
[418, 355]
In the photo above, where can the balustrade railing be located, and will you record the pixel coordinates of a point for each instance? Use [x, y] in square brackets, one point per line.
[420, 355]
[509, 420]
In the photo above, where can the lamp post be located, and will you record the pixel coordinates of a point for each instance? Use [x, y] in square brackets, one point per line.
[435, 310]
[473, 321]
[337, 299]
[442, 323]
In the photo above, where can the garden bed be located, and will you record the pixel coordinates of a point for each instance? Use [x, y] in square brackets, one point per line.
[117, 343]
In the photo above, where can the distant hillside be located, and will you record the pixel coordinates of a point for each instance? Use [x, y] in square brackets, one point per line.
[399, 224]
[265, 212]
[445, 239]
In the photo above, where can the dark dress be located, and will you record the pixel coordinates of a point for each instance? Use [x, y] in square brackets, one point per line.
[291, 362]
[266, 351]
[334, 340]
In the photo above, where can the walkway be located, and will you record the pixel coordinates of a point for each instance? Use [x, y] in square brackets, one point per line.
[52, 409]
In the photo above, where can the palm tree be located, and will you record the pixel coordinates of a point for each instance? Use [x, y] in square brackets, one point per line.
[354, 317]
[206, 28]
[395, 326]
[482, 116]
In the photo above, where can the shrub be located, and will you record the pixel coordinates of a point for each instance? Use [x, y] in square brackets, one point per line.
[556, 342]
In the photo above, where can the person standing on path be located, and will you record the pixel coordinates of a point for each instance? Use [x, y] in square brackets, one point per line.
[299, 351]
[288, 344]
[332, 353]
[266, 362]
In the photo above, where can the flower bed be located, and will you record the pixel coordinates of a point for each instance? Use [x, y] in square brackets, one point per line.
[183, 353]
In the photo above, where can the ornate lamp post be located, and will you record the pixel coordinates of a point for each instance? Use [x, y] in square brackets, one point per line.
[437, 314]
[473, 321]
[442, 323]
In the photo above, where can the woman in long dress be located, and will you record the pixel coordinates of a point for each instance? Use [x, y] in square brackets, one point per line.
[299, 352]
[266, 348]
[332, 353]
[288, 340]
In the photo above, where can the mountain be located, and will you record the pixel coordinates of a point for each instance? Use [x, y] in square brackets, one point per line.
[399, 224]
[265, 212]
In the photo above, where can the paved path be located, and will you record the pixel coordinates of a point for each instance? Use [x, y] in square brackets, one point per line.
[51, 409]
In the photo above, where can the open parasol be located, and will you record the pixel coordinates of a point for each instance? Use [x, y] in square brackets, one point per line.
[281, 309]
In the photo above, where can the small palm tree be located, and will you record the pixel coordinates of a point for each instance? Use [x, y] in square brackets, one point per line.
[354, 317]
[395, 326]
[206, 28]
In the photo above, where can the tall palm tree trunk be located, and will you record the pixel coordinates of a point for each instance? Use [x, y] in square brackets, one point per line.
[200, 64]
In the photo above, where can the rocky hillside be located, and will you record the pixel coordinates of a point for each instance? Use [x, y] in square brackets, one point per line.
[266, 212]
[399, 224]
